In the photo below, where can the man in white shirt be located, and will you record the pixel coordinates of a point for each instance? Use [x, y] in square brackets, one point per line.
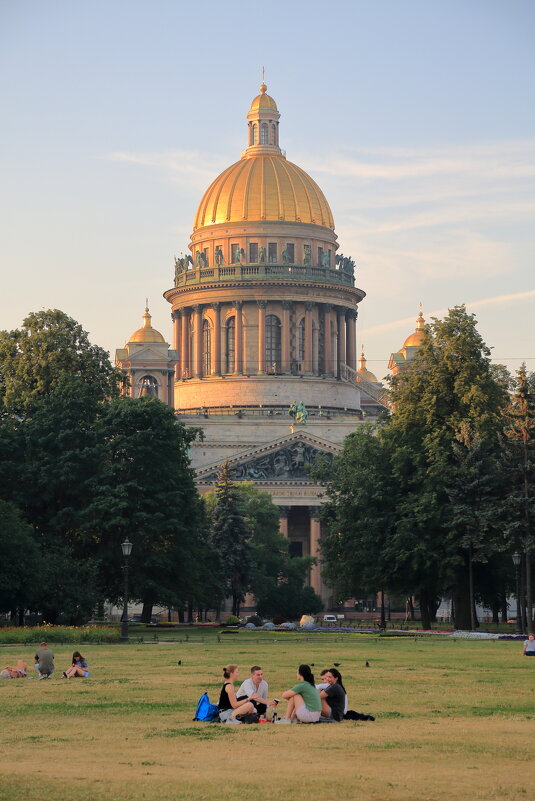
[255, 689]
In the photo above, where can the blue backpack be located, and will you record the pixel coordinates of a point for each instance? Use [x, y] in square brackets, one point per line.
[205, 710]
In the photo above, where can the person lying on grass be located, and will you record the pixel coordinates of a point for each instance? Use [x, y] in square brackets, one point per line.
[229, 706]
[78, 669]
[304, 702]
[19, 672]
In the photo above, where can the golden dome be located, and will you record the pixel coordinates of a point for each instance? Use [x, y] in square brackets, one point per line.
[362, 370]
[416, 339]
[263, 101]
[147, 333]
[264, 187]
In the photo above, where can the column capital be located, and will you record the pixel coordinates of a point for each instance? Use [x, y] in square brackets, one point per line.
[309, 305]
[286, 304]
[216, 306]
[314, 512]
[327, 307]
[198, 308]
[237, 304]
[262, 304]
[284, 511]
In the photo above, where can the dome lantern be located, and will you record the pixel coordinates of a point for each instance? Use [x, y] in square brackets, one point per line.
[263, 126]
[147, 333]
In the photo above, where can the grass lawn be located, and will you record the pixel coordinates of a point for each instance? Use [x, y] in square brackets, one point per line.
[455, 720]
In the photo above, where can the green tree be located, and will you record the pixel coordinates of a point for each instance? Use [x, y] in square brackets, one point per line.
[519, 458]
[50, 344]
[20, 561]
[144, 490]
[231, 537]
[450, 387]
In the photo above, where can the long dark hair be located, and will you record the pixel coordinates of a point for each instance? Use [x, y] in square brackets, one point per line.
[306, 674]
[338, 676]
[77, 655]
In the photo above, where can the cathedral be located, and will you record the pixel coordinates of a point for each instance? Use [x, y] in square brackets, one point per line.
[264, 312]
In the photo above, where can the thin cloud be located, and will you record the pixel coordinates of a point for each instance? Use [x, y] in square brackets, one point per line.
[475, 304]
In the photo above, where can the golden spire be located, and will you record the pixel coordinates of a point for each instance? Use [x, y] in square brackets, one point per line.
[420, 322]
[362, 360]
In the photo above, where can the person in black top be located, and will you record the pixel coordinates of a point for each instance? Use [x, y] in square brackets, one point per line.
[229, 706]
[333, 697]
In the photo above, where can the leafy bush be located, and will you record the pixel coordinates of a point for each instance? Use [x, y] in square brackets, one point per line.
[255, 620]
[61, 634]
[278, 619]
[232, 620]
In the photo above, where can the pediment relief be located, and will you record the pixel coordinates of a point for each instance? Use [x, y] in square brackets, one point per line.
[149, 354]
[285, 460]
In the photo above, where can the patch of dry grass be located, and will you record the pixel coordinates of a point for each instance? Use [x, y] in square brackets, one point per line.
[455, 720]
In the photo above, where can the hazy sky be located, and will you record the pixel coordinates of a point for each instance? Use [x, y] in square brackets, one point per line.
[416, 117]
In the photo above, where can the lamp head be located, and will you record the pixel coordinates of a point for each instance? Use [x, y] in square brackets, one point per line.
[127, 548]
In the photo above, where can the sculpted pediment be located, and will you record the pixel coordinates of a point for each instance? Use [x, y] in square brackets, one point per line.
[286, 460]
[149, 354]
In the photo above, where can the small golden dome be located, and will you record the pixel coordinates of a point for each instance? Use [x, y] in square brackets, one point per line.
[263, 101]
[147, 333]
[264, 187]
[362, 370]
[416, 339]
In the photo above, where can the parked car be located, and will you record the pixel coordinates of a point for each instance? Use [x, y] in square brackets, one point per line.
[137, 619]
[329, 619]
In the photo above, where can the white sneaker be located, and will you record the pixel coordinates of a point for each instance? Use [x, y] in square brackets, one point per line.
[285, 720]
[233, 720]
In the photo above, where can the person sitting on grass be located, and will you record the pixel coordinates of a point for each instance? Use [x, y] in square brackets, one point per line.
[333, 697]
[229, 706]
[324, 684]
[529, 646]
[19, 672]
[78, 669]
[254, 687]
[44, 661]
[304, 702]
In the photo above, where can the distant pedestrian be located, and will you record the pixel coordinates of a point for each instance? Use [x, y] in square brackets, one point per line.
[529, 646]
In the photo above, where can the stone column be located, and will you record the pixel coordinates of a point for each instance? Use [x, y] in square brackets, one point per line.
[261, 337]
[184, 361]
[170, 399]
[341, 353]
[352, 339]
[217, 338]
[309, 366]
[176, 316]
[197, 357]
[327, 341]
[238, 345]
[284, 511]
[285, 336]
[315, 532]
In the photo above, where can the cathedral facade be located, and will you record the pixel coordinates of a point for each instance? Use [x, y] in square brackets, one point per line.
[264, 313]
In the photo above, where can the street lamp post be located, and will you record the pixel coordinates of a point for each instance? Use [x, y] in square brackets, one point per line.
[126, 547]
[516, 561]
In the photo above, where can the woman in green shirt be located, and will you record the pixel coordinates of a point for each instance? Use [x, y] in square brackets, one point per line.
[304, 702]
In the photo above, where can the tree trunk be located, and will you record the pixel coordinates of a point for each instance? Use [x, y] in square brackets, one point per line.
[504, 614]
[21, 616]
[461, 602]
[424, 610]
[180, 615]
[529, 596]
[146, 614]
[190, 611]
[410, 603]
[473, 619]
[496, 610]
[522, 600]
[383, 617]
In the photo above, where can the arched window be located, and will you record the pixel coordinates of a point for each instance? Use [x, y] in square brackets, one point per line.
[273, 343]
[206, 349]
[229, 345]
[148, 387]
[264, 134]
[301, 342]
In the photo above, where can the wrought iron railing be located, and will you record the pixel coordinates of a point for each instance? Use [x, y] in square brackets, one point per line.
[377, 394]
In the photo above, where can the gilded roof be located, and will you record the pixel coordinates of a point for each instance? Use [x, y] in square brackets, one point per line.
[263, 101]
[147, 333]
[415, 340]
[264, 187]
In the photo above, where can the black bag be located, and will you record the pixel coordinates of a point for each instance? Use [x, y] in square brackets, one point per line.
[249, 717]
[352, 715]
